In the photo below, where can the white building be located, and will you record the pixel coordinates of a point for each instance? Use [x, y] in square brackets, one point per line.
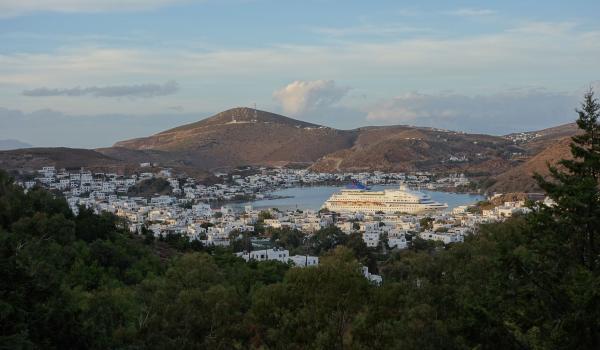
[371, 277]
[304, 260]
[445, 237]
[266, 255]
[398, 242]
[372, 233]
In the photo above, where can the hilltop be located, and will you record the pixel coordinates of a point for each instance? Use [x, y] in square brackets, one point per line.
[241, 136]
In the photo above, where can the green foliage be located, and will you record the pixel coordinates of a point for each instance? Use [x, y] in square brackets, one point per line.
[264, 215]
[575, 189]
[326, 239]
[240, 241]
[313, 308]
[426, 223]
[292, 240]
[182, 243]
[150, 187]
[475, 209]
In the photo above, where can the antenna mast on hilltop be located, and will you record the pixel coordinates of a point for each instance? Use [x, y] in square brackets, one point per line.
[255, 113]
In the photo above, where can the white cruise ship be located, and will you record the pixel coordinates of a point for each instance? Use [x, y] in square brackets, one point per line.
[357, 198]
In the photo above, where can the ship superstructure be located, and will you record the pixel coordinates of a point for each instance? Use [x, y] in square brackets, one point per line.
[360, 199]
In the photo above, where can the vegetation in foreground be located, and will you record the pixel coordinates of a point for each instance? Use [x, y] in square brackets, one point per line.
[529, 283]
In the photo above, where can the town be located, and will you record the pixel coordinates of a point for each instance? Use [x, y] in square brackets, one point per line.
[203, 212]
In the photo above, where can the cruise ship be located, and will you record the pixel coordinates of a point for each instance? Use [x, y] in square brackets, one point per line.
[358, 198]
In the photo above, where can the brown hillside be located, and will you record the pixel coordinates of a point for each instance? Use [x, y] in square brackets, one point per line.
[403, 148]
[520, 177]
[542, 139]
[30, 159]
[240, 137]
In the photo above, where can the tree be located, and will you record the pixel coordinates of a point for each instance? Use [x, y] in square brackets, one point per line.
[426, 223]
[264, 215]
[575, 189]
[287, 238]
[326, 239]
[314, 308]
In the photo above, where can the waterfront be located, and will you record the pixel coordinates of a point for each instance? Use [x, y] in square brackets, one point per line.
[313, 197]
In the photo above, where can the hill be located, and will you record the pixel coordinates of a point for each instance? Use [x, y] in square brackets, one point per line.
[245, 136]
[242, 136]
[543, 147]
[536, 141]
[520, 178]
[30, 159]
[405, 148]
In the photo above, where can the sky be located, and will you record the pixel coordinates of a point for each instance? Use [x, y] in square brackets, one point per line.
[88, 73]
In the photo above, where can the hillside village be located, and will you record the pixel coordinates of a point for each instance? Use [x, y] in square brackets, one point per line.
[203, 212]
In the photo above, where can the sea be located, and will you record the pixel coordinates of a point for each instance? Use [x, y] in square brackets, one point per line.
[313, 197]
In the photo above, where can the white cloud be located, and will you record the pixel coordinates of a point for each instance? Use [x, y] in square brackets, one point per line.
[300, 97]
[521, 53]
[10, 8]
[370, 30]
[471, 12]
[216, 78]
[505, 112]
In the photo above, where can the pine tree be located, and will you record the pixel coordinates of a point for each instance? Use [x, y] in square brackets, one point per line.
[574, 187]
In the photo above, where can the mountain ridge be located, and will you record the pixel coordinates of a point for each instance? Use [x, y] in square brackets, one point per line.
[244, 136]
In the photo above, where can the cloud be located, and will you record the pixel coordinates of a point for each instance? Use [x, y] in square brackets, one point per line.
[132, 91]
[300, 97]
[520, 55]
[500, 113]
[10, 8]
[524, 55]
[471, 12]
[370, 30]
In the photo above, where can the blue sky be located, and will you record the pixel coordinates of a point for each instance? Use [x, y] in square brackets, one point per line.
[77, 66]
